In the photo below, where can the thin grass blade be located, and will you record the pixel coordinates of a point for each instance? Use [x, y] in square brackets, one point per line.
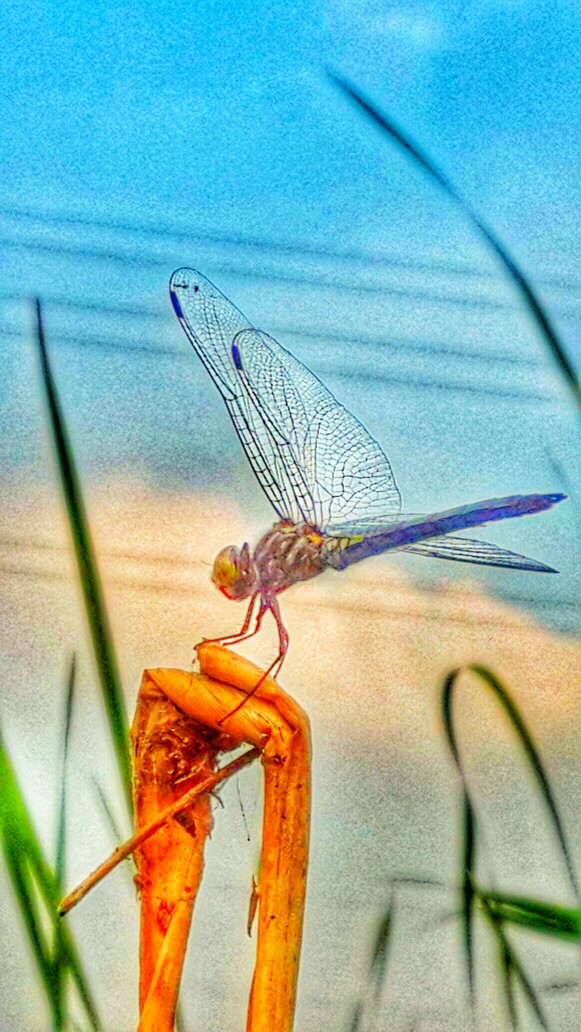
[380, 955]
[512, 964]
[469, 835]
[60, 964]
[33, 879]
[88, 572]
[529, 296]
[535, 761]
[61, 822]
[511, 960]
[107, 810]
[355, 1024]
[508, 976]
[27, 900]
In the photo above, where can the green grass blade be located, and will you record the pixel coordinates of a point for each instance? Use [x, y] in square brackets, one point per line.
[548, 918]
[530, 994]
[17, 827]
[74, 966]
[33, 879]
[468, 863]
[88, 572]
[27, 904]
[529, 296]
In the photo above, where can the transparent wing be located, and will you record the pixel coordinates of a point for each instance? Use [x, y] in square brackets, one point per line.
[211, 322]
[339, 475]
[480, 553]
[313, 459]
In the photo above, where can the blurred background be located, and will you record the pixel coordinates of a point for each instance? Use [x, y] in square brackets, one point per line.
[138, 138]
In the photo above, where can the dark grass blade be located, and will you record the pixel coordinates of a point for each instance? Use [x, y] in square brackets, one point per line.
[355, 1024]
[530, 993]
[468, 858]
[527, 744]
[118, 838]
[380, 955]
[508, 977]
[561, 921]
[547, 918]
[531, 300]
[34, 885]
[107, 810]
[369, 1001]
[468, 862]
[416, 880]
[533, 756]
[513, 966]
[88, 572]
[561, 987]
[60, 965]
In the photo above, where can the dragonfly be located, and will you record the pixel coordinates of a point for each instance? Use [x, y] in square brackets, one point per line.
[328, 480]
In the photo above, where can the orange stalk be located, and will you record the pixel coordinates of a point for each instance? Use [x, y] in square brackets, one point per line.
[183, 721]
[285, 845]
[169, 755]
[270, 720]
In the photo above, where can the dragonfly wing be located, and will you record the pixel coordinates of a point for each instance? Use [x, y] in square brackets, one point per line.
[339, 474]
[211, 322]
[480, 553]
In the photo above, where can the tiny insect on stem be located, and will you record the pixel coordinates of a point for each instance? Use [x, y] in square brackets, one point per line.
[171, 812]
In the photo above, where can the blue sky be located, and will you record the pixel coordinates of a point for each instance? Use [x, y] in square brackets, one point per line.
[222, 112]
[219, 120]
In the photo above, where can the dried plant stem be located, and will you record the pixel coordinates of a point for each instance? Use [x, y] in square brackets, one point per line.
[183, 721]
[285, 844]
[270, 720]
[171, 754]
[121, 853]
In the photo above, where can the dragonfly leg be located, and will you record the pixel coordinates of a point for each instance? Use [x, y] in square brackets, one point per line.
[283, 642]
[242, 633]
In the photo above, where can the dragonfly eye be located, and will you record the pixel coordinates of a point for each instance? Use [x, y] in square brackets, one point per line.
[234, 573]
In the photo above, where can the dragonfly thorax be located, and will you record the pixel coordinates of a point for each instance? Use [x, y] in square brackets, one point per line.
[285, 555]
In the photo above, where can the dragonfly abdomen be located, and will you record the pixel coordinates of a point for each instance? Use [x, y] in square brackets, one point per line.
[410, 532]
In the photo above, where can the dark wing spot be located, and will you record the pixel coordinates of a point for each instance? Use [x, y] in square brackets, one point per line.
[236, 357]
[176, 305]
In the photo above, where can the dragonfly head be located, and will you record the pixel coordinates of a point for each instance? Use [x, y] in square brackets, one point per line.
[235, 572]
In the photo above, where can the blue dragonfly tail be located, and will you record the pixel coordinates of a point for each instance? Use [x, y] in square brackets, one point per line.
[428, 535]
